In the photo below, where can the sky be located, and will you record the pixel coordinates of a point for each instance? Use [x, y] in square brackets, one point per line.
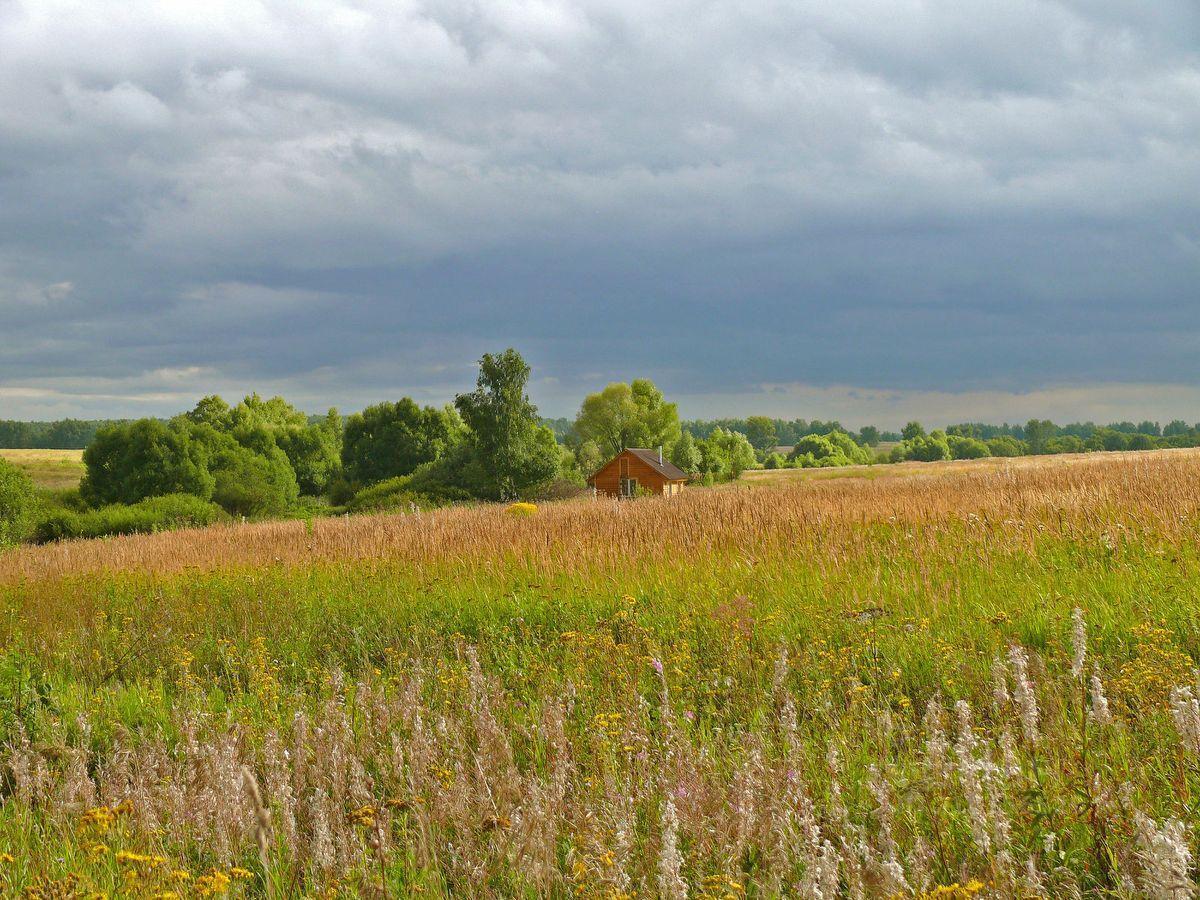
[870, 210]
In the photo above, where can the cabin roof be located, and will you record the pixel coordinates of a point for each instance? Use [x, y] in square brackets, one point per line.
[666, 468]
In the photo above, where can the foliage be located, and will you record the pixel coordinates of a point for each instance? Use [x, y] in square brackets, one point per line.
[686, 454]
[395, 494]
[833, 449]
[912, 431]
[512, 453]
[252, 476]
[1005, 445]
[761, 433]
[391, 439]
[925, 448]
[967, 447]
[150, 515]
[17, 503]
[724, 455]
[628, 415]
[146, 458]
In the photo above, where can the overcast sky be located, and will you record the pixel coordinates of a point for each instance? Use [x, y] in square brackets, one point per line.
[868, 209]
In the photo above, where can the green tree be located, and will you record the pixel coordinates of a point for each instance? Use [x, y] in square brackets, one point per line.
[275, 414]
[760, 432]
[17, 503]
[253, 480]
[725, 454]
[512, 451]
[391, 439]
[589, 457]
[1007, 445]
[913, 430]
[211, 410]
[686, 455]
[869, 435]
[966, 447]
[315, 452]
[1037, 433]
[1175, 428]
[927, 448]
[127, 463]
[628, 415]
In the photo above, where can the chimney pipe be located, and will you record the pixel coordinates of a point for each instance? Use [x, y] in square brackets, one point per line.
[660, 461]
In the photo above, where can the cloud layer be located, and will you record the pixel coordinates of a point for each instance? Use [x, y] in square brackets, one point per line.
[350, 200]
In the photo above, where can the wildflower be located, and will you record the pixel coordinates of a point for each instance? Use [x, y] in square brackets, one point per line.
[240, 874]
[657, 665]
[670, 861]
[521, 509]
[1166, 858]
[999, 684]
[1099, 712]
[1026, 700]
[1078, 642]
[1185, 710]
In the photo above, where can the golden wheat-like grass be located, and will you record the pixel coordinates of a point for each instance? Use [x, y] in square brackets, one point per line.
[1152, 489]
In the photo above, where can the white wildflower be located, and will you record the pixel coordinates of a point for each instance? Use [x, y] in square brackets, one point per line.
[1185, 710]
[1078, 642]
[1099, 712]
[1166, 859]
[670, 861]
[1026, 700]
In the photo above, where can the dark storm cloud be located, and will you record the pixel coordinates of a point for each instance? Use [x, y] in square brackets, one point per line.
[347, 200]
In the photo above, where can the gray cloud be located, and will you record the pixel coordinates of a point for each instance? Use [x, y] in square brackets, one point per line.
[348, 200]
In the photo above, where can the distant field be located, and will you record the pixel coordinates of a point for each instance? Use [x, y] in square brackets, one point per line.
[51, 469]
[759, 477]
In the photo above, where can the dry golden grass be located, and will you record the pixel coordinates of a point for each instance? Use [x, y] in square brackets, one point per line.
[1059, 494]
[52, 469]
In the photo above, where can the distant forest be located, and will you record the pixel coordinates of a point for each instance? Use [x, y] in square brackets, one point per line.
[76, 434]
[64, 434]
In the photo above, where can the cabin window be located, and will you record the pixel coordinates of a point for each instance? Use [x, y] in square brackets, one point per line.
[629, 487]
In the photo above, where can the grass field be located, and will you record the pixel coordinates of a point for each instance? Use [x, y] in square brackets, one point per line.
[848, 687]
[51, 469]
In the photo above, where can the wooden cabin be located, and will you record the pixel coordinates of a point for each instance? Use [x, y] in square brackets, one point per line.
[635, 469]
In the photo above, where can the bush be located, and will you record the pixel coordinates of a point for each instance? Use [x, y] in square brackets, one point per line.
[17, 504]
[128, 463]
[255, 480]
[967, 447]
[154, 514]
[927, 448]
[833, 449]
[1004, 445]
[1063, 443]
[393, 494]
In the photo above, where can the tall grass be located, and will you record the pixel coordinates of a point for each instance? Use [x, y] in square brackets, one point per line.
[834, 688]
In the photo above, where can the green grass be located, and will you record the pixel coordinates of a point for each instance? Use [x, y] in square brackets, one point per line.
[768, 662]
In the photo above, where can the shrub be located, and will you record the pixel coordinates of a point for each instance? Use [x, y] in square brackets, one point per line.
[1063, 443]
[393, 494]
[17, 502]
[127, 463]
[833, 449]
[153, 514]
[1005, 445]
[927, 448]
[967, 447]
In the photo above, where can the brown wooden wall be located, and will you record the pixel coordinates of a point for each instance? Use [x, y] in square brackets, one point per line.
[608, 479]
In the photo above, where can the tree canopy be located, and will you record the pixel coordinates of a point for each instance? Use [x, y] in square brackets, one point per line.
[628, 415]
[512, 451]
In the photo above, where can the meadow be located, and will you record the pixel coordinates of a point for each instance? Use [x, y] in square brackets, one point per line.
[49, 469]
[967, 680]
